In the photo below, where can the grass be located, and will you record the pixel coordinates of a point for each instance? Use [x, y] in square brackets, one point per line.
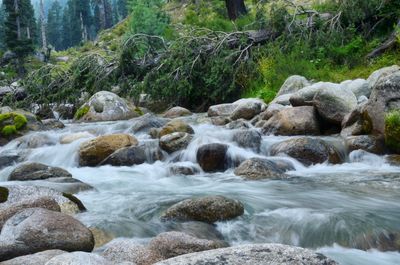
[392, 130]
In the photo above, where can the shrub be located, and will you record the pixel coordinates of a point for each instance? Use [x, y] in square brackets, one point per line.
[392, 130]
[81, 112]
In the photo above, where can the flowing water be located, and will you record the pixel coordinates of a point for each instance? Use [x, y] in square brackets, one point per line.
[322, 207]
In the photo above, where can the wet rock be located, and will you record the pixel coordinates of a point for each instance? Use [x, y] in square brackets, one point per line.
[53, 124]
[128, 250]
[78, 258]
[40, 258]
[183, 170]
[333, 103]
[176, 126]
[375, 77]
[213, 157]
[198, 229]
[175, 141]
[37, 171]
[36, 140]
[7, 210]
[64, 185]
[369, 143]
[220, 120]
[44, 112]
[33, 230]
[238, 124]
[172, 244]
[271, 111]
[247, 109]
[307, 150]
[176, 112]
[93, 152]
[393, 160]
[5, 90]
[383, 241]
[144, 123]
[265, 254]
[360, 87]
[128, 156]
[248, 139]
[65, 111]
[293, 84]
[293, 121]
[261, 168]
[8, 160]
[106, 106]
[207, 209]
[18, 193]
[67, 139]
[101, 237]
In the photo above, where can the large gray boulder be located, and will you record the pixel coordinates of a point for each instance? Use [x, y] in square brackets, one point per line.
[106, 106]
[333, 103]
[36, 229]
[37, 171]
[307, 150]
[293, 121]
[293, 84]
[375, 77]
[265, 254]
[262, 168]
[78, 258]
[39, 258]
[248, 139]
[209, 209]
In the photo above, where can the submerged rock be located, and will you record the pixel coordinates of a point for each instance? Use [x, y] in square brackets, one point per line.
[265, 254]
[8, 160]
[262, 168]
[40, 258]
[37, 171]
[213, 157]
[307, 150]
[208, 209]
[183, 170]
[93, 152]
[248, 139]
[33, 230]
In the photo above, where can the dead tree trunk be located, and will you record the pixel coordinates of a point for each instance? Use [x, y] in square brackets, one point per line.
[235, 8]
[43, 26]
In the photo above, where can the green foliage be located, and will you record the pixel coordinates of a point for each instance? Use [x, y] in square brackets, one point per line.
[81, 112]
[392, 130]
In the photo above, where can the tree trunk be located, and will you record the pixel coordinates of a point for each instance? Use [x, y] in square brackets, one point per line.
[235, 8]
[18, 21]
[43, 26]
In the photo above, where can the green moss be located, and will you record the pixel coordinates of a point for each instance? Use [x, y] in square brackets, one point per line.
[11, 123]
[19, 121]
[5, 116]
[139, 111]
[392, 130]
[3, 194]
[81, 112]
[9, 130]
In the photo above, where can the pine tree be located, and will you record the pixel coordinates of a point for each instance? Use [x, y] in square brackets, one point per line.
[66, 28]
[20, 30]
[54, 26]
[122, 7]
[2, 28]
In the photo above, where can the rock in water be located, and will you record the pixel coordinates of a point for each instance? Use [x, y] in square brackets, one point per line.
[176, 112]
[146, 122]
[175, 141]
[33, 230]
[176, 126]
[40, 258]
[208, 209]
[293, 121]
[128, 156]
[93, 152]
[78, 258]
[213, 157]
[265, 254]
[248, 139]
[307, 150]
[106, 106]
[37, 171]
[262, 168]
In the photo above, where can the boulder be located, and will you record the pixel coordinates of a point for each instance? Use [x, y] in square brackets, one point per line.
[183, 170]
[369, 143]
[175, 141]
[8, 160]
[200, 230]
[248, 139]
[220, 120]
[305, 96]
[5, 90]
[238, 124]
[262, 168]
[128, 156]
[213, 157]
[53, 124]
[40, 258]
[176, 112]
[7, 210]
[129, 250]
[37, 171]
[101, 237]
[333, 103]
[93, 152]
[272, 109]
[67, 139]
[385, 96]
[383, 241]
[360, 87]
[375, 77]
[78, 258]
[176, 126]
[307, 150]
[21, 193]
[171, 244]
[293, 121]
[146, 122]
[36, 229]
[106, 106]
[247, 109]
[265, 254]
[209, 209]
[221, 110]
[293, 84]
[283, 100]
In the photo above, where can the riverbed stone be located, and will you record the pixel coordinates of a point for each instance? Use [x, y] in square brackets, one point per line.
[383, 241]
[106, 106]
[176, 125]
[40, 258]
[209, 209]
[8, 160]
[176, 112]
[333, 103]
[238, 124]
[36, 229]
[293, 84]
[93, 152]
[200, 230]
[78, 258]
[307, 150]
[293, 121]
[213, 157]
[37, 171]
[146, 122]
[221, 110]
[186, 170]
[369, 143]
[247, 109]
[375, 77]
[305, 96]
[128, 250]
[175, 141]
[360, 87]
[262, 168]
[128, 156]
[263, 254]
[248, 139]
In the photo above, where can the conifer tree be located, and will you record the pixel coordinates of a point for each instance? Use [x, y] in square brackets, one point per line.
[54, 25]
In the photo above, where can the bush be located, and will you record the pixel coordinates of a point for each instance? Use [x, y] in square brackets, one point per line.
[392, 130]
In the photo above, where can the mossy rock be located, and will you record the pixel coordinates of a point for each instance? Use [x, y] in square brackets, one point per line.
[11, 123]
[392, 130]
[81, 112]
